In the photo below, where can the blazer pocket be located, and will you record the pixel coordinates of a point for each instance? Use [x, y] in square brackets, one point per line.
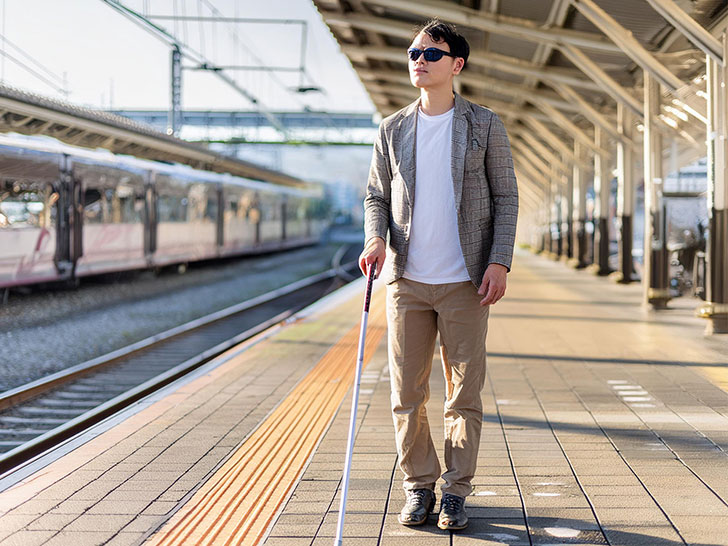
[476, 148]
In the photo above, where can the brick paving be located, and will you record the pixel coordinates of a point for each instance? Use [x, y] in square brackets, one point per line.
[603, 424]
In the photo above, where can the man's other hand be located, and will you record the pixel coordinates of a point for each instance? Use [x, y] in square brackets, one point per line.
[373, 252]
[493, 286]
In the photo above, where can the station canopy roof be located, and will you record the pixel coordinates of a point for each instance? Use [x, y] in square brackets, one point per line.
[31, 114]
[549, 68]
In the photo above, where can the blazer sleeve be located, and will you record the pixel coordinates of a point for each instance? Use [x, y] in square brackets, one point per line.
[379, 186]
[503, 191]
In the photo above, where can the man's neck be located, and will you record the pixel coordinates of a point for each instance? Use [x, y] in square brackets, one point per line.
[436, 101]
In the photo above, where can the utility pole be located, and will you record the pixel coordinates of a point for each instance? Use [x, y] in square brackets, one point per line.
[175, 110]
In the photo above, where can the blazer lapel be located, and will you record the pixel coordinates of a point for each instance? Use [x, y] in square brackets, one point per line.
[408, 139]
[459, 146]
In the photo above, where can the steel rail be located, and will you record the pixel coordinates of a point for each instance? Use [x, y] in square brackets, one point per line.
[23, 453]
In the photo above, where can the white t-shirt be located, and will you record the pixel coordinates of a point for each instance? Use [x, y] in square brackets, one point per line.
[434, 255]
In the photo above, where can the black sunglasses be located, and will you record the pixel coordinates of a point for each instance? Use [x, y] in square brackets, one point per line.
[432, 54]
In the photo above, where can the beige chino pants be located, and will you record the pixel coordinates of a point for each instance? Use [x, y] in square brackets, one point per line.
[416, 312]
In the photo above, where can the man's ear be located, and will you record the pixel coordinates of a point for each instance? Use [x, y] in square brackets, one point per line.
[459, 63]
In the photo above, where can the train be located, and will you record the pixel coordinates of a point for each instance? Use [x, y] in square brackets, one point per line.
[67, 212]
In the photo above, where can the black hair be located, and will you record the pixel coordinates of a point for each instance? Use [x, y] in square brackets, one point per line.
[439, 31]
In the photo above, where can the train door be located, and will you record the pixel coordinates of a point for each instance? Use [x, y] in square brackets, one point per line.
[151, 216]
[76, 222]
[256, 216]
[220, 217]
[283, 217]
[73, 215]
[64, 188]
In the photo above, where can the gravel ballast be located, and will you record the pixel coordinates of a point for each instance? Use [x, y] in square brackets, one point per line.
[47, 331]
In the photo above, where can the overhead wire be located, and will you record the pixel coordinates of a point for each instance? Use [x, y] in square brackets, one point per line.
[29, 58]
[196, 56]
[25, 66]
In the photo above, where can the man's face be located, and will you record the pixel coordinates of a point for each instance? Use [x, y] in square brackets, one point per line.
[434, 74]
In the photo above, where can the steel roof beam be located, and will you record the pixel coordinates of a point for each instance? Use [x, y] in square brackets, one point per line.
[636, 51]
[526, 162]
[515, 90]
[536, 160]
[608, 84]
[484, 59]
[542, 149]
[693, 31]
[616, 91]
[571, 128]
[555, 141]
[591, 113]
[515, 27]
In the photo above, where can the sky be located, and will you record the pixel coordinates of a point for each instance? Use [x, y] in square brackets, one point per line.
[108, 61]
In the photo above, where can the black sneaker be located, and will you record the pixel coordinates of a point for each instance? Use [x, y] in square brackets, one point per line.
[420, 502]
[452, 513]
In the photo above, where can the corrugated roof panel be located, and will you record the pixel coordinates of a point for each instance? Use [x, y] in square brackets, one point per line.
[637, 16]
[503, 76]
[527, 9]
[513, 47]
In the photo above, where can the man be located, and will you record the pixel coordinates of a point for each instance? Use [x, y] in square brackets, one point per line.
[442, 184]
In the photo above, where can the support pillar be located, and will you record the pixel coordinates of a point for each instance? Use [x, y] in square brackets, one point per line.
[556, 245]
[602, 180]
[542, 221]
[579, 199]
[625, 195]
[715, 308]
[655, 274]
[549, 211]
[567, 213]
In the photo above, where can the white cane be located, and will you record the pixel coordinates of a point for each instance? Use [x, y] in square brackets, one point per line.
[371, 270]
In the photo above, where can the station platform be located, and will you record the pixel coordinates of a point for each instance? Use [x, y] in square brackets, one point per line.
[603, 424]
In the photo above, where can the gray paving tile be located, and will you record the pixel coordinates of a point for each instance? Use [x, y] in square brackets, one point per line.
[50, 522]
[14, 522]
[124, 539]
[28, 538]
[35, 506]
[491, 533]
[288, 541]
[643, 535]
[80, 538]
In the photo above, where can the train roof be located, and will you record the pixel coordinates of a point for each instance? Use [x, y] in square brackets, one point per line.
[50, 145]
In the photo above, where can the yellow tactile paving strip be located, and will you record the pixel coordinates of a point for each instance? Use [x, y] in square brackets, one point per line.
[717, 375]
[238, 503]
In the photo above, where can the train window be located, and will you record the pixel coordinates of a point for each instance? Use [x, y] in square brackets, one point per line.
[27, 204]
[128, 205]
[93, 206]
[172, 208]
[270, 207]
[295, 209]
[248, 204]
[211, 209]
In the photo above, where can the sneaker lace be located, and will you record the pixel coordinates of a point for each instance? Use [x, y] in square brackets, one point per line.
[416, 497]
[452, 503]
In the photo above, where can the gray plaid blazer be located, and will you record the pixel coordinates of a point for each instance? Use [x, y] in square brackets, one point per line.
[486, 193]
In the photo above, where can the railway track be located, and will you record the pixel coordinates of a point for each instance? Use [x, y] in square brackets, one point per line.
[36, 416]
